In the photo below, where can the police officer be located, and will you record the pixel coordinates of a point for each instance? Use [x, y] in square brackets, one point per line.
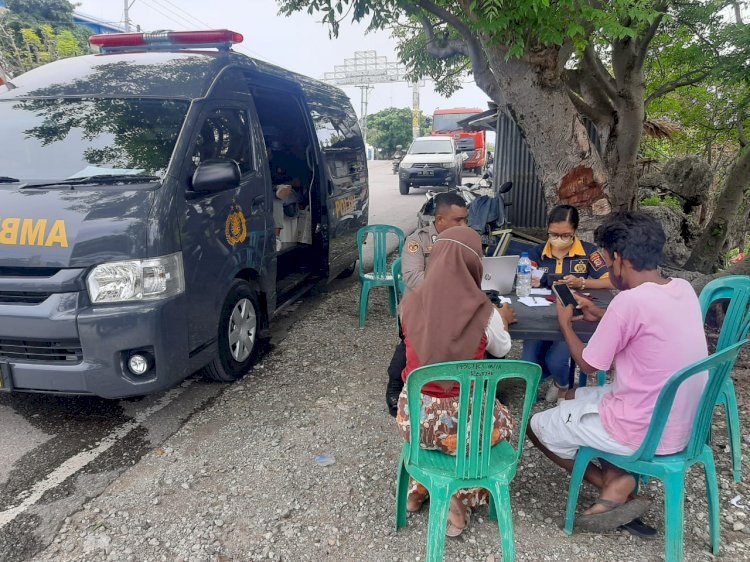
[450, 210]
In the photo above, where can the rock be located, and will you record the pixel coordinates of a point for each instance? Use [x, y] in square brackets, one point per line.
[738, 526]
[689, 177]
[676, 251]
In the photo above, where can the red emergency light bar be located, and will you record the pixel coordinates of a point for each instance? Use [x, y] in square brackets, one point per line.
[218, 38]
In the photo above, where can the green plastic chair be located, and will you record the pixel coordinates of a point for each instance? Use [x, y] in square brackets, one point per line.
[480, 465]
[671, 469]
[379, 276]
[736, 324]
[399, 286]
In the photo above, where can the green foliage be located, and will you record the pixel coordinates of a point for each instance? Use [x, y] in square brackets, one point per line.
[666, 201]
[393, 126]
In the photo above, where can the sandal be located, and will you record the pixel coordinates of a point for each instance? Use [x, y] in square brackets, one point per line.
[415, 501]
[617, 515]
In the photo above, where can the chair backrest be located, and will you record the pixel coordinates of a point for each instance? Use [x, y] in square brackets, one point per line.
[379, 246]
[398, 279]
[736, 324]
[478, 380]
[718, 365]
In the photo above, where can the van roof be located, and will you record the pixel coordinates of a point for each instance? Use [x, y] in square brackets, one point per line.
[183, 74]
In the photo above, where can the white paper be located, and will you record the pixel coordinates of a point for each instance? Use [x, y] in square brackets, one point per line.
[534, 301]
[505, 300]
[544, 292]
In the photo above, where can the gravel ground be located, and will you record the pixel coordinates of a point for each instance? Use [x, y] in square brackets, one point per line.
[240, 480]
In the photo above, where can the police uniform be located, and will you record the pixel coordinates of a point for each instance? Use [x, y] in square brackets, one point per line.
[583, 260]
[417, 249]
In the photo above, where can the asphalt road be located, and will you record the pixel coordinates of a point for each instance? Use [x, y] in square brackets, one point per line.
[58, 451]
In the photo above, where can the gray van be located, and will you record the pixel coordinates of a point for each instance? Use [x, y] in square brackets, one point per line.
[142, 234]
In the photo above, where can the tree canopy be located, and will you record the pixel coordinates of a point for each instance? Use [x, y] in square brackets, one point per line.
[393, 126]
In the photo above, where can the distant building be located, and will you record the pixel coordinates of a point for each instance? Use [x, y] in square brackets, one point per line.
[94, 24]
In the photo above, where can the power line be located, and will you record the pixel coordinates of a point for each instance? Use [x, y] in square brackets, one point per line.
[189, 15]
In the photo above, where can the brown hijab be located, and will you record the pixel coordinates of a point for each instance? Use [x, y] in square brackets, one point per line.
[445, 317]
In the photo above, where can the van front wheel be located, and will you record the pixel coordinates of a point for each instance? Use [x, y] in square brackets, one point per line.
[239, 325]
[403, 187]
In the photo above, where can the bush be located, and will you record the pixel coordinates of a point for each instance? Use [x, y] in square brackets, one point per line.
[667, 201]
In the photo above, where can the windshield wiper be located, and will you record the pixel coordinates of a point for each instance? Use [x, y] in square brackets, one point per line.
[103, 179]
[6, 179]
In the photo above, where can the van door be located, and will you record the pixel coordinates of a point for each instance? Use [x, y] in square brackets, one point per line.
[345, 185]
[225, 232]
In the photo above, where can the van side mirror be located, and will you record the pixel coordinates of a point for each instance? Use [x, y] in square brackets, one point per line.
[216, 175]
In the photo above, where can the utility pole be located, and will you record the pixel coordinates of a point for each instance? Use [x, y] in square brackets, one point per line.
[126, 7]
[366, 69]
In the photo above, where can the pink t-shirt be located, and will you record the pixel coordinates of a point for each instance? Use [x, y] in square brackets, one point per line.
[649, 333]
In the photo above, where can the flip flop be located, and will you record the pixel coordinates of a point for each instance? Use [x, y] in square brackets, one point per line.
[618, 514]
[639, 529]
[453, 531]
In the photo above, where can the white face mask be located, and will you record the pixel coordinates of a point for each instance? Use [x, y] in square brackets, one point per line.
[558, 244]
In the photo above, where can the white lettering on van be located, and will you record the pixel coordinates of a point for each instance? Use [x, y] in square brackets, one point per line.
[30, 232]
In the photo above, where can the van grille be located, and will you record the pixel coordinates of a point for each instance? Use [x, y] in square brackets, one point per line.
[427, 165]
[22, 297]
[65, 351]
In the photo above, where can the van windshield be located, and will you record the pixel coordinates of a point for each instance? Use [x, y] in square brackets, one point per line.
[436, 146]
[65, 139]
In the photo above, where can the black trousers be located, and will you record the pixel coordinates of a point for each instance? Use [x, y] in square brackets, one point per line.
[395, 383]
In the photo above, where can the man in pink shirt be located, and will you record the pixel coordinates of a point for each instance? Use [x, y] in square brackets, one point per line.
[651, 329]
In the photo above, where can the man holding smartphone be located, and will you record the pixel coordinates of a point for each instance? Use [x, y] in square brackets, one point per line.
[651, 329]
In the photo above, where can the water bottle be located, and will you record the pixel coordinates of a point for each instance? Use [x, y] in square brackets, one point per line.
[523, 276]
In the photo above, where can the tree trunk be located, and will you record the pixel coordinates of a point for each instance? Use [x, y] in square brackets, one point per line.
[704, 257]
[569, 166]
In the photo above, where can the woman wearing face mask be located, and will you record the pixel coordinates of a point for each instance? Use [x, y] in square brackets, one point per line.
[577, 264]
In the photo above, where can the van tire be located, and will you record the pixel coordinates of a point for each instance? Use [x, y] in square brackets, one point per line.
[232, 364]
[403, 187]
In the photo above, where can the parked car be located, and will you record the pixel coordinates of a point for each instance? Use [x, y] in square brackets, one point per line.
[138, 211]
[430, 161]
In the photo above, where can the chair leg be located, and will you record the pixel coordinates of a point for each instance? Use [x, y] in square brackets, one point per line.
[674, 507]
[712, 491]
[364, 297]
[729, 397]
[392, 300]
[602, 377]
[402, 492]
[576, 477]
[492, 508]
[440, 499]
[505, 521]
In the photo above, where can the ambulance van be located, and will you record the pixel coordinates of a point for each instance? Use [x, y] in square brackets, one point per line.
[159, 202]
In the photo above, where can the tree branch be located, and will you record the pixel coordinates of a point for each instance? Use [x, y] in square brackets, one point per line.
[692, 77]
[599, 72]
[643, 43]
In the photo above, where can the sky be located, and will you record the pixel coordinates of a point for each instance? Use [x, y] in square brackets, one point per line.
[299, 43]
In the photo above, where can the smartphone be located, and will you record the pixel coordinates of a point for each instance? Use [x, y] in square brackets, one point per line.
[553, 278]
[565, 295]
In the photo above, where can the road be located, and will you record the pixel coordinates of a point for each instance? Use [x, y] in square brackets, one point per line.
[58, 451]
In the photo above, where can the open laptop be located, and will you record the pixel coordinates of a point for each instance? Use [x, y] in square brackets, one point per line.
[499, 273]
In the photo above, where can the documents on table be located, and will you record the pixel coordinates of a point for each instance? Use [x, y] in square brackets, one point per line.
[543, 292]
[534, 301]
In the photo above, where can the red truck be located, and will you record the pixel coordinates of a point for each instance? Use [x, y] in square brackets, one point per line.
[445, 122]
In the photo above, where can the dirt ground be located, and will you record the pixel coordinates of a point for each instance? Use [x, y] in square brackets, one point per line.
[297, 462]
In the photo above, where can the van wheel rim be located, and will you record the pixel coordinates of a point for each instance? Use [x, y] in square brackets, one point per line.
[242, 330]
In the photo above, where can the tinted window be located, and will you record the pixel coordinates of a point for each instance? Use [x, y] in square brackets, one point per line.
[54, 139]
[225, 135]
[449, 121]
[431, 146]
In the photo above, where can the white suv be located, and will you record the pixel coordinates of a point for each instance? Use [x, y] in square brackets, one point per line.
[430, 161]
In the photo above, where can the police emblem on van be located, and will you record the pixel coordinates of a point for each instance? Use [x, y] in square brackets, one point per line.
[32, 232]
[236, 228]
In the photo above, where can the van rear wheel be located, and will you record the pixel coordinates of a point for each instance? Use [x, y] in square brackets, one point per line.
[403, 187]
[239, 325]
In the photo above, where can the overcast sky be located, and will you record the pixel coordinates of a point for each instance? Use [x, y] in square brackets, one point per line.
[299, 43]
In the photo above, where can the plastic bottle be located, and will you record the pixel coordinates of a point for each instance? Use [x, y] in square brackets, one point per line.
[523, 276]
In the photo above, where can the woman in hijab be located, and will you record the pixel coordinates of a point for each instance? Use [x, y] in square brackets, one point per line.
[449, 318]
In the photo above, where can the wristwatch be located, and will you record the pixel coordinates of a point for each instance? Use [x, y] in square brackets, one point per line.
[583, 283]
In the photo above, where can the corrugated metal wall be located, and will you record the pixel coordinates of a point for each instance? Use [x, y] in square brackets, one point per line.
[514, 162]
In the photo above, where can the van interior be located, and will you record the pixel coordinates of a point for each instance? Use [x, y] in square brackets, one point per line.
[294, 178]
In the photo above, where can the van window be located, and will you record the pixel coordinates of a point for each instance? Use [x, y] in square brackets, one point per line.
[225, 135]
[431, 146]
[65, 138]
[340, 139]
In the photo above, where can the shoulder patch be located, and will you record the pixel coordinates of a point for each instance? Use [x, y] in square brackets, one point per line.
[597, 261]
[413, 247]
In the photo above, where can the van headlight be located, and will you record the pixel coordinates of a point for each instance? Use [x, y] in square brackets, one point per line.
[136, 280]
[448, 165]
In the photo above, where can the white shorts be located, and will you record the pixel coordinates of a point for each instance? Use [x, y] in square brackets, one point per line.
[573, 424]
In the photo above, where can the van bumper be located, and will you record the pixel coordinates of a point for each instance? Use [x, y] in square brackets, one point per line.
[57, 347]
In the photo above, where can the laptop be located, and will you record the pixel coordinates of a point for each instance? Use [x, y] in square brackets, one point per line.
[499, 273]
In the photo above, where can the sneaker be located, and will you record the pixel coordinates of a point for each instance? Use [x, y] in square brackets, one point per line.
[553, 392]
